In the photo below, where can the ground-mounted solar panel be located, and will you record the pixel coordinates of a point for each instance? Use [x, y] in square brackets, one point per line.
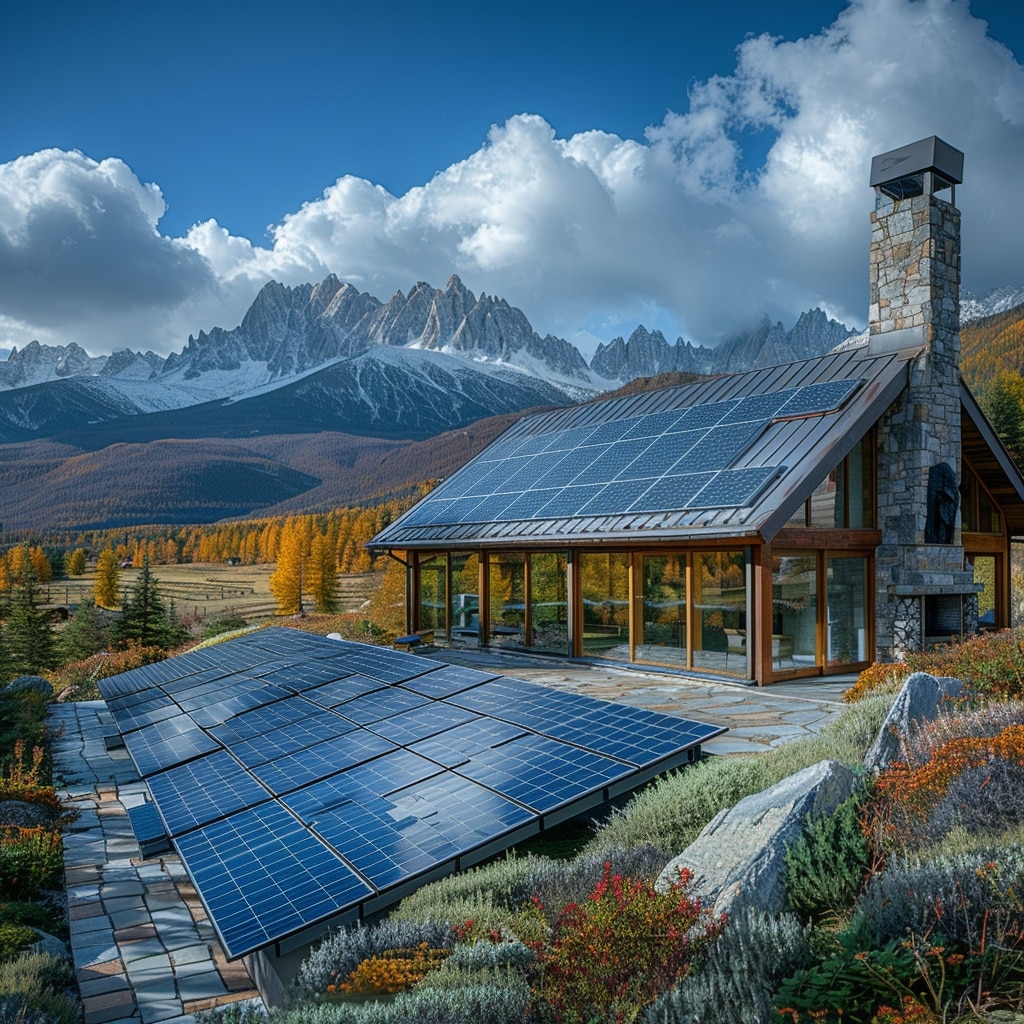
[167, 743]
[318, 805]
[734, 488]
[263, 875]
[204, 790]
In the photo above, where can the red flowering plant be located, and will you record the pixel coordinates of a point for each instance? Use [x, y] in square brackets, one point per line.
[614, 953]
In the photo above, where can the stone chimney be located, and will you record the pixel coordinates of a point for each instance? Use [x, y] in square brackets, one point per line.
[923, 592]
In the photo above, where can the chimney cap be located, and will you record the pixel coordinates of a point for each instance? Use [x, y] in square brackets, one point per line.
[931, 154]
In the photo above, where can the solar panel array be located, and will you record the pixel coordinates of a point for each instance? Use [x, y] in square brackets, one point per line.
[663, 462]
[300, 778]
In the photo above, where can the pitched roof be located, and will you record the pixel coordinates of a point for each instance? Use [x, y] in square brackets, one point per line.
[732, 456]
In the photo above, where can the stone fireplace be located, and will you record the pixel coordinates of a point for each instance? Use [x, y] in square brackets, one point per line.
[923, 594]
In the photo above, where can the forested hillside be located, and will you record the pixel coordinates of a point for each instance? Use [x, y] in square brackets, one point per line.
[992, 345]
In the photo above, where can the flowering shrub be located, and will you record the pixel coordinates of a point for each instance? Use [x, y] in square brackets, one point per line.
[991, 664]
[31, 860]
[20, 779]
[394, 970]
[614, 953]
[877, 679]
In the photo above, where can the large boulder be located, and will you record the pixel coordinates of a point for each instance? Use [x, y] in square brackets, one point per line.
[35, 683]
[919, 701]
[739, 860]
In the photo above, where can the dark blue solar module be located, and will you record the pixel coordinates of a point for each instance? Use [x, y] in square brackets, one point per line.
[758, 408]
[446, 680]
[734, 488]
[167, 743]
[672, 492]
[263, 875]
[307, 806]
[816, 398]
[204, 790]
[292, 771]
[616, 497]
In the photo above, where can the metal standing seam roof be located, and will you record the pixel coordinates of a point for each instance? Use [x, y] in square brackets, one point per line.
[779, 456]
[308, 782]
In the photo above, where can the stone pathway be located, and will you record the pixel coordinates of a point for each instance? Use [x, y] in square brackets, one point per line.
[143, 948]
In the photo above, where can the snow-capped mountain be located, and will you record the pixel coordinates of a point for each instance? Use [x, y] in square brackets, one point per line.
[647, 352]
[997, 301]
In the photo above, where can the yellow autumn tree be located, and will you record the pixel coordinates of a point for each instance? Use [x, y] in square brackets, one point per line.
[74, 562]
[286, 580]
[40, 564]
[108, 574]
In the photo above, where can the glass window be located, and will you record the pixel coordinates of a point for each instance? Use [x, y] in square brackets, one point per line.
[433, 593]
[826, 511]
[465, 599]
[794, 611]
[846, 589]
[507, 597]
[549, 605]
[985, 573]
[978, 512]
[604, 585]
[663, 629]
[719, 611]
[861, 485]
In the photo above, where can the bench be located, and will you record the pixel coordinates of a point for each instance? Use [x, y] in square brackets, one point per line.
[424, 638]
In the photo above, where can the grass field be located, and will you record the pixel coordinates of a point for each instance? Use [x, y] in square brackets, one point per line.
[206, 590]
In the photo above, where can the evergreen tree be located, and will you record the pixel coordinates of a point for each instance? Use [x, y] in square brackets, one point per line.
[144, 619]
[86, 634]
[108, 574]
[28, 634]
[1003, 403]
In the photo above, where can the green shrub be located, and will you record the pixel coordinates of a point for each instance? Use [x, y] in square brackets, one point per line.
[617, 951]
[485, 895]
[14, 939]
[22, 715]
[671, 812]
[826, 867]
[990, 664]
[31, 859]
[31, 914]
[736, 982]
[33, 987]
[223, 624]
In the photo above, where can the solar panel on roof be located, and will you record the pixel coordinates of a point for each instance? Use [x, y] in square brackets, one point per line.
[757, 407]
[733, 488]
[426, 776]
[616, 497]
[824, 397]
[671, 492]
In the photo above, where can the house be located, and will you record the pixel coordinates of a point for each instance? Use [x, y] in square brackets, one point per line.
[800, 520]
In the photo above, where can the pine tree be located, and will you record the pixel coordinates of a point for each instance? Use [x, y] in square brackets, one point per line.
[108, 574]
[28, 635]
[144, 619]
[85, 635]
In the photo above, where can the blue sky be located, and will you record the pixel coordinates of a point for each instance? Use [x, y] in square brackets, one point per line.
[688, 166]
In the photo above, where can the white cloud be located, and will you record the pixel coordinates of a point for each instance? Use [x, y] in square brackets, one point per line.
[588, 234]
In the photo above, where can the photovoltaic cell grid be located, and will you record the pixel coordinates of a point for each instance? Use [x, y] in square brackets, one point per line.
[385, 767]
[675, 460]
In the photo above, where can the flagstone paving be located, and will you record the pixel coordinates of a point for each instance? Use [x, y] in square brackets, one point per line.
[144, 950]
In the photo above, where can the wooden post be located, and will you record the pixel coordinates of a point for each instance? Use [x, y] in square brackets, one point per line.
[761, 633]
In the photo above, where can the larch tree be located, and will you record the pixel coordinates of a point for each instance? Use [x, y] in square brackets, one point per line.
[322, 574]
[286, 581]
[108, 575]
[74, 562]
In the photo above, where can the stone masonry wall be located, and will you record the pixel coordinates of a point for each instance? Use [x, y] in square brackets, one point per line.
[915, 290]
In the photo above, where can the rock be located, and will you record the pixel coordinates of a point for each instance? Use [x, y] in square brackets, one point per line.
[739, 860]
[48, 943]
[919, 701]
[37, 683]
[24, 814]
